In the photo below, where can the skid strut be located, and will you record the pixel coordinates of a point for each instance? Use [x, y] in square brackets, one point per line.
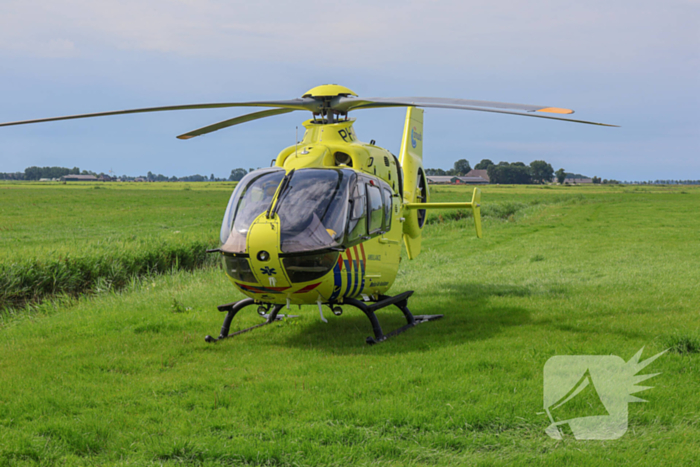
[235, 307]
[401, 302]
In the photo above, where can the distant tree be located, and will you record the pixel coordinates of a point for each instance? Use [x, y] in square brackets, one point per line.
[193, 178]
[561, 176]
[237, 175]
[32, 173]
[484, 164]
[521, 174]
[36, 173]
[541, 172]
[462, 167]
[596, 179]
[211, 177]
[517, 173]
[12, 176]
[435, 172]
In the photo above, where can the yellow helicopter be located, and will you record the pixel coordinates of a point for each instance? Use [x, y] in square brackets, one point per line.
[324, 225]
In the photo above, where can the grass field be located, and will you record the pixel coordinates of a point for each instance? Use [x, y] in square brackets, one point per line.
[123, 376]
[75, 238]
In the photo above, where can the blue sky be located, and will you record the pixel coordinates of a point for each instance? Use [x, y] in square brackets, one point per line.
[631, 63]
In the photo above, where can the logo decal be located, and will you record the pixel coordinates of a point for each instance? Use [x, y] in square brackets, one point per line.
[268, 270]
[590, 393]
[415, 137]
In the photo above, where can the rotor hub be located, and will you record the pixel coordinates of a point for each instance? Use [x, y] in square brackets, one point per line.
[329, 90]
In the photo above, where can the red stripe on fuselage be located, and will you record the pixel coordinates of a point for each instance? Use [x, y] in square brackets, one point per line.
[308, 288]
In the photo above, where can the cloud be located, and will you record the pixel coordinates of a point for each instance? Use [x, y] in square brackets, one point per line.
[502, 34]
[633, 63]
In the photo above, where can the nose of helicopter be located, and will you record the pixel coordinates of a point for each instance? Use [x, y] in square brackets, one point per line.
[263, 248]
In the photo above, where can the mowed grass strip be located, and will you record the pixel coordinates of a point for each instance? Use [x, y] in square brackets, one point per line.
[126, 378]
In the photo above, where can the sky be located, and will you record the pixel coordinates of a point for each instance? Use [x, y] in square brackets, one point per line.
[631, 63]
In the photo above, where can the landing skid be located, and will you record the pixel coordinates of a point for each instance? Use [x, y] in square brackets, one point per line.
[235, 307]
[400, 301]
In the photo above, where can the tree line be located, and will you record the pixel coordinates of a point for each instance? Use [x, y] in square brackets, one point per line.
[513, 173]
[37, 173]
[503, 172]
[236, 176]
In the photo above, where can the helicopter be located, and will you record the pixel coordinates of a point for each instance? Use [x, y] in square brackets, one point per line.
[325, 224]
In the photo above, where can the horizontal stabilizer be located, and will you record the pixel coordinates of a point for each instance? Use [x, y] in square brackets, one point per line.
[475, 206]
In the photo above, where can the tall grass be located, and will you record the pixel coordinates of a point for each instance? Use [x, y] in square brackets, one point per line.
[75, 239]
[34, 279]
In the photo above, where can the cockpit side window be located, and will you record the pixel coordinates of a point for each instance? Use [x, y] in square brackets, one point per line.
[376, 209]
[357, 223]
[387, 209]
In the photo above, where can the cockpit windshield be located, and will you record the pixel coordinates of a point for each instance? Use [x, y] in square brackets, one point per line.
[251, 198]
[313, 209]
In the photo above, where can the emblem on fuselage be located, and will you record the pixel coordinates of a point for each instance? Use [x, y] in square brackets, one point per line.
[415, 137]
[268, 270]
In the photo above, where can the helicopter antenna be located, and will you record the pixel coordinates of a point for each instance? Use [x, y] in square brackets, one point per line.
[296, 141]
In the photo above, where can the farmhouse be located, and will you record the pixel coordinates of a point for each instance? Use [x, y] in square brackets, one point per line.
[479, 173]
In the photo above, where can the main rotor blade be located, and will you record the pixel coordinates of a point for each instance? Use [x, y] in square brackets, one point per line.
[234, 121]
[294, 104]
[371, 106]
[436, 103]
[349, 103]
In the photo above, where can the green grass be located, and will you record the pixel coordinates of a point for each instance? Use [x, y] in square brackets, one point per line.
[42, 218]
[69, 239]
[125, 377]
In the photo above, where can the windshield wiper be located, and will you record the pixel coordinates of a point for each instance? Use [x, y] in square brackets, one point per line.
[283, 187]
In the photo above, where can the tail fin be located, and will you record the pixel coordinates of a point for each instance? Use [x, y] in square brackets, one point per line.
[415, 185]
[412, 144]
[476, 210]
